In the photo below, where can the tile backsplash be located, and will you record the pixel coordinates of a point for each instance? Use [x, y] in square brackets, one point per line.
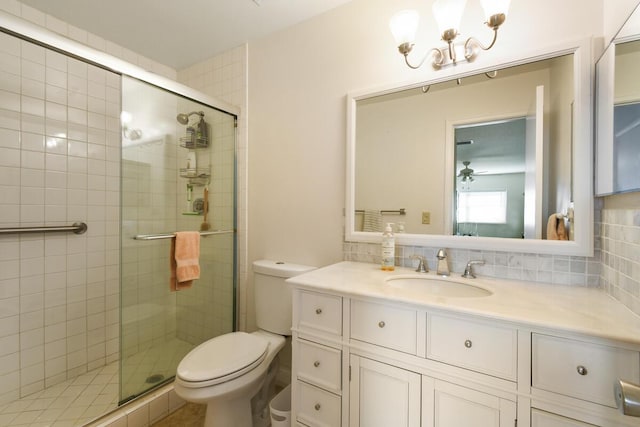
[615, 266]
[620, 236]
[556, 269]
[543, 268]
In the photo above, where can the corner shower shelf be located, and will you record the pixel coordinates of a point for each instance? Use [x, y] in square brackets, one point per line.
[193, 143]
[195, 172]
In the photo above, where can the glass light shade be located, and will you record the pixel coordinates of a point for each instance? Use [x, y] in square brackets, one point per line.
[448, 14]
[404, 25]
[494, 7]
[125, 117]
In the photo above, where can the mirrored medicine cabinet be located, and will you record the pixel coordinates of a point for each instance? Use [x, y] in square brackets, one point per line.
[618, 112]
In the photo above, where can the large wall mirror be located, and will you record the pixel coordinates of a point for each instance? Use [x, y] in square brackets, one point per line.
[618, 112]
[494, 159]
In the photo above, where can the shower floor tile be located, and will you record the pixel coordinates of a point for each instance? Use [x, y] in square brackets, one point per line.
[71, 403]
[79, 400]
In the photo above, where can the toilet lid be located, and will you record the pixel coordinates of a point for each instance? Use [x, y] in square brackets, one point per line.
[224, 357]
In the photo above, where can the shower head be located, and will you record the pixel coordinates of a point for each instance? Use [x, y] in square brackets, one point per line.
[183, 118]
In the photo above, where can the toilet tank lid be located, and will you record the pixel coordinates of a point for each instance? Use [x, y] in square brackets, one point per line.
[279, 268]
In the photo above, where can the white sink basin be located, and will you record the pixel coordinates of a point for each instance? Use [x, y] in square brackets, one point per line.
[449, 288]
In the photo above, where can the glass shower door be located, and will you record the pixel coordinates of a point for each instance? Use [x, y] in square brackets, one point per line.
[175, 153]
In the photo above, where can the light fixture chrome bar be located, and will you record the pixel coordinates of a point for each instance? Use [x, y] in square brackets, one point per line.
[172, 235]
[77, 228]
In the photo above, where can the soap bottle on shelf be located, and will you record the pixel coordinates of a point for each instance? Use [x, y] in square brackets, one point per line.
[190, 140]
[202, 133]
[192, 166]
[388, 249]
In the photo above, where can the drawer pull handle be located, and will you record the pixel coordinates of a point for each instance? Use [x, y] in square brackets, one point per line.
[316, 363]
[468, 343]
[317, 407]
[582, 370]
[318, 311]
[381, 324]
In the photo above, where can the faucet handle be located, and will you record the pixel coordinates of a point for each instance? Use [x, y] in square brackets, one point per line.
[441, 254]
[423, 266]
[468, 272]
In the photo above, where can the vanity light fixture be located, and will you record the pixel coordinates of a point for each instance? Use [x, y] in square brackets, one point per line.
[128, 133]
[448, 14]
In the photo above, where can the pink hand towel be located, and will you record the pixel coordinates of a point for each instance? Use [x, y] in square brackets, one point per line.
[185, 254]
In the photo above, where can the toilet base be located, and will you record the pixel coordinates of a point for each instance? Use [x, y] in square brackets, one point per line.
[229, 413]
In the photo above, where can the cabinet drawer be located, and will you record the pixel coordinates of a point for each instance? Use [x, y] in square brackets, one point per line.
[489, 349]
[383, 325]
[320, 365]
[320, 312]
[318, 407]
[581, 369]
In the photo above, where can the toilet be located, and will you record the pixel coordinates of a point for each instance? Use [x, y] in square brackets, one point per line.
[225, 372]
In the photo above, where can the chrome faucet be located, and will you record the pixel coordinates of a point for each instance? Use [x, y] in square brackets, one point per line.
[423, 266]
[442, 267]
[468, 272]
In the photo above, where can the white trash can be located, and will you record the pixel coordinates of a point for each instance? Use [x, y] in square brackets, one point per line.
[280, 408]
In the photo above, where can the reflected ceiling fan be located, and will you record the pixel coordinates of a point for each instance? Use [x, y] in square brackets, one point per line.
[467, 173]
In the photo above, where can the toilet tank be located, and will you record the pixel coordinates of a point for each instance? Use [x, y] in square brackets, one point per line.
[272, 295]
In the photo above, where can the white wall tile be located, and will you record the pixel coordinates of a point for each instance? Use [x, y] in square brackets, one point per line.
[56, 94]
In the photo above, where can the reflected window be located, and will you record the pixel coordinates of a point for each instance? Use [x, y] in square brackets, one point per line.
[485, 207]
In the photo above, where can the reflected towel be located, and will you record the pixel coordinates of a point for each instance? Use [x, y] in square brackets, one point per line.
[561, 230]
[184, 260]
[555, 228]
[372, 220]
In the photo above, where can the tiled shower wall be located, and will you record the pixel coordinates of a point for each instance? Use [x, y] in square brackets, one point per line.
[206, 310]
[149, 206]
[224, 77]
[59, 163]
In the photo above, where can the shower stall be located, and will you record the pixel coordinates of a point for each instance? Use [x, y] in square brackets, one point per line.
[90, 321]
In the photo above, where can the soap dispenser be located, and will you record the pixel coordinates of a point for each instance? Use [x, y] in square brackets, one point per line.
[388, 249]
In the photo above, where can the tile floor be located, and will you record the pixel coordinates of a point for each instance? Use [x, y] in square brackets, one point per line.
[190, 415]
[84, 398]
[71, 403]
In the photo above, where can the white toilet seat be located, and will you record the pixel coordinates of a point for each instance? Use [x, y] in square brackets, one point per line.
[222, 359]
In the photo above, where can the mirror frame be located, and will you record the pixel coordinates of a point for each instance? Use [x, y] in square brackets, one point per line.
[582, 156]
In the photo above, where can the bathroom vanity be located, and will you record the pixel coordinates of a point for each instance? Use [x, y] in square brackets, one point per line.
[373, 348]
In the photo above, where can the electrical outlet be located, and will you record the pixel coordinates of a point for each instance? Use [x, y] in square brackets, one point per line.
[426, 217]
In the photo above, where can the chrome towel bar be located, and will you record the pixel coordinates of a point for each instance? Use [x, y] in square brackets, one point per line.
[401, 211]
[172, 235]
[77, 228]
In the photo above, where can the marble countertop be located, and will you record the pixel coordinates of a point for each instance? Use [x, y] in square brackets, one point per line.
[569, 308]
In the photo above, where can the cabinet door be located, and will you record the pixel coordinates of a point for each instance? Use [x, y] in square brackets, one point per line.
[450, 405]
[546, 419]
[383, 395]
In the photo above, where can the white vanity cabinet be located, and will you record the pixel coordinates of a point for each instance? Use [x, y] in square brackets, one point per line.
[569, 372]
[366, 363]
[317, 361]
[366, 355]
[450, 405]
[383, 395]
